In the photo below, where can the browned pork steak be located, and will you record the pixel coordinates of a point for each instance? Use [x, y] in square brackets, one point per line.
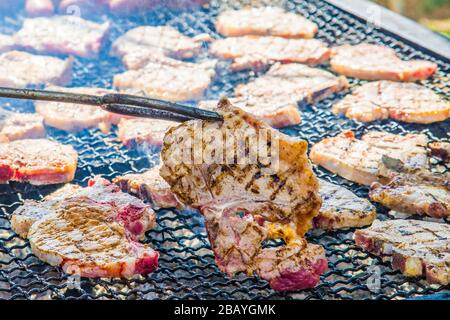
[374, 62]
[417, 248]
[441, 150]
[16, 126]
[91, 231]
[68, 34]
[408, 102]
[264, 21]
[21, 69]
[248, 200]
[255, 52]
[148, 132]
[37, 161]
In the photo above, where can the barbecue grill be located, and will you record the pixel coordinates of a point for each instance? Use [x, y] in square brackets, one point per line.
[187, 269]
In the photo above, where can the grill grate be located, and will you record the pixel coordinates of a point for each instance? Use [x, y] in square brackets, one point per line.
[187, 269]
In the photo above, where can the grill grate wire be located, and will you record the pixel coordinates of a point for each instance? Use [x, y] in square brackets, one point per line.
[187, 269]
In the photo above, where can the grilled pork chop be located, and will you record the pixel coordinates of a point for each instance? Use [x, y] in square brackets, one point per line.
[374, 62]
[75, 117]
[417, 248]
[69, 35]
[265, 21]
[441, 150]
[359, 160]
[245, 202]
[16, 126]
[408, 102]
[168, 79]
[254, 52]
[37, 161]
[21, 69]
[341, 209]
[6, 43]
[143, 131]
[149, 186]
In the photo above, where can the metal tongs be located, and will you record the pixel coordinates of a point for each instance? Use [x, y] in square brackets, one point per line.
[125, 104]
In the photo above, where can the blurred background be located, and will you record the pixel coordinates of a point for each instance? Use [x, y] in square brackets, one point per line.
[435, 14]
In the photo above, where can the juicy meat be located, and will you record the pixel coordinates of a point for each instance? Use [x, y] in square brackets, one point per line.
[138, 45]
[416, 248]
[408, 102]
[254, 52]
[35, 8]
[6, 43]
[441, 150]
[37, 161]
[245, 202]
[21, 69]
[149, 186]
[16, 126]
[75, 117]
[341, 209]
[265, 21]
[69, 35]
[91, 231]
[359, 160]
[374, 62]
[168, 79]
[138, 131]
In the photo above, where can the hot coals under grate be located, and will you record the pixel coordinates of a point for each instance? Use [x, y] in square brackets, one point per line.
[187, 269]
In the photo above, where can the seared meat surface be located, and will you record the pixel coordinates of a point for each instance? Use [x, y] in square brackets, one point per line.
[37, 161]
[441, 150]
[6, 43]
[359, 160]
[341, 208]
[417, 248]
[375, 62]
[140, 131]
[149, 186]
[21, 69]
[264, 21]
[168, 79]
[16, 126]
[69, 35]
[254, 52]
[408, 102]
[246, 202]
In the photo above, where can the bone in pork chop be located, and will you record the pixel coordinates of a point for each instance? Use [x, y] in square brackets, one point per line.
[37, 161]
[16, 126]
[408, 102]
[244, 202]
[416, 248]
[168, 79]
[149, 186]
[374, 62]
[148, 132]
[91, 231]
[341, 209]
[359, 160]
[62, 35]
[6, 43]
[21, 69]
[75, 117]
[265, 21]
[254, 52]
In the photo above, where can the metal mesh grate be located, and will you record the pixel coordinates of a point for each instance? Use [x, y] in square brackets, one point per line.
[187, 269]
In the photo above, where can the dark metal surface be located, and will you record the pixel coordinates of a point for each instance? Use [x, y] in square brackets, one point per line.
[187, 269]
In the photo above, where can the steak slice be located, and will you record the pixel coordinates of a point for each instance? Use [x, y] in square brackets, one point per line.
[374, 62]
[342, 209]
[37, 161]
[264, 21]
[21, 69]
[254, 52]
[69, 35]
[441, 150]
[150, 132]
[149, 186]
[246, 201]
[168, 79]
[359, 160]
[6, 43]
[16, 126]
[417, 248]
[407, 102]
